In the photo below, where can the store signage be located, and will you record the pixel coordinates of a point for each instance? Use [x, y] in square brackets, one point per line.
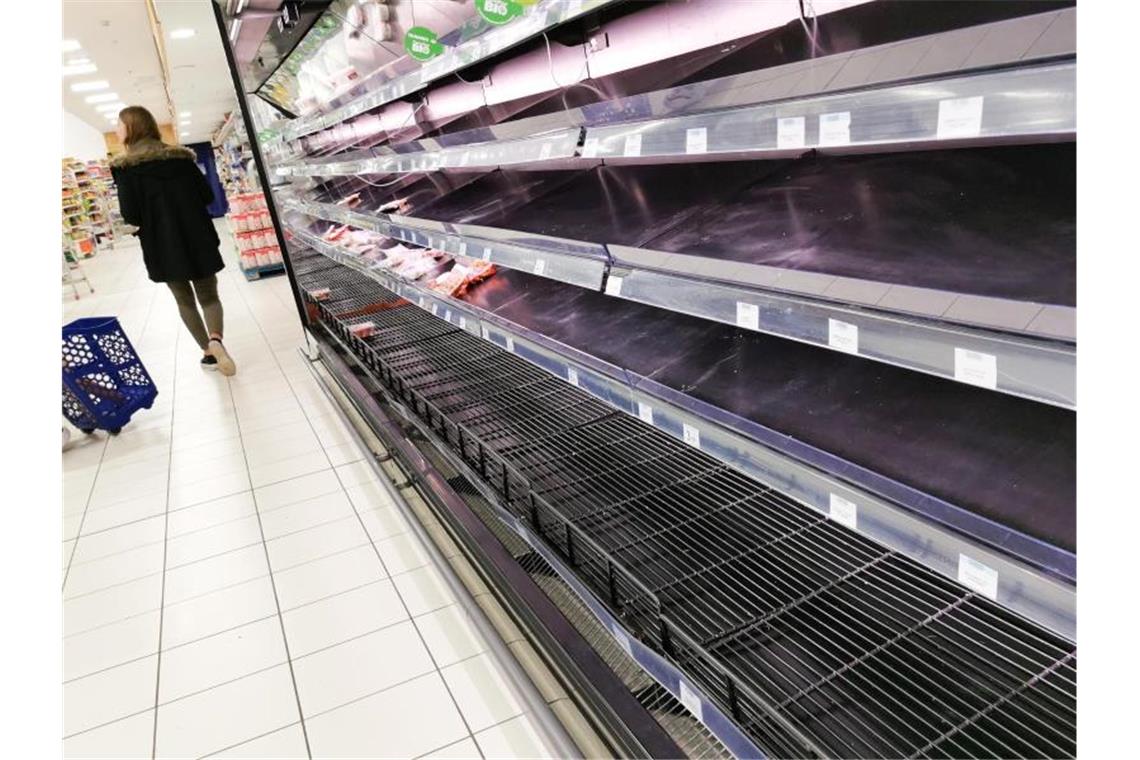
[422, 43]
[499, 12]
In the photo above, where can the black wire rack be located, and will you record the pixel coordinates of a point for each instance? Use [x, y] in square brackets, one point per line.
[816, 640]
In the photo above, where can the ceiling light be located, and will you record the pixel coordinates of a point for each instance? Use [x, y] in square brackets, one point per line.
[94, 84]
[81, 68]
[106, 107]
[184, 114]
[103, 97]
[184, 134]
[76, 61]
[235, 30]
[182, 34]
[184, 123]
[70, 46]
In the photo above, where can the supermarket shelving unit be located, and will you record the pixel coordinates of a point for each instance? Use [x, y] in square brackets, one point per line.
[776, 377]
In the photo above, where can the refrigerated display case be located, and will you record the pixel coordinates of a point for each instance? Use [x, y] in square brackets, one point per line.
[735, 342]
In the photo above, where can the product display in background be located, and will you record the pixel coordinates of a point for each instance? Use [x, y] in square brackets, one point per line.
[254, 236]
[90, 208]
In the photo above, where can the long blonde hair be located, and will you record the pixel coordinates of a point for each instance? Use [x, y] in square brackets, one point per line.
[140, 125]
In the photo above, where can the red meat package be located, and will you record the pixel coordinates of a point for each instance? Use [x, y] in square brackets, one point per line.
[363, 329]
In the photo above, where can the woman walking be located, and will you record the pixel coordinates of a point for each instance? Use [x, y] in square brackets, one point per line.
[163, 193]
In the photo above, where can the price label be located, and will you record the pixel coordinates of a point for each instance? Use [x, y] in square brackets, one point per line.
[835, 128]
[691, 435]
[590, 148]
[435, 309]
[510, 344]
[843, 511]
[790, 132]
[463, 323]
[843, 336]
[691, 701]
[622, 639]
[960, 117]
[613, 286]
[977, 577]
[447, 315]
[544, 153]
[572, 376]
[486, 254]
[421, 302]
[632, 146]
[747, 315]
[486, 333]
[645, 412]
[975, 368]
[464, 157]
[696, 140]
[463, 248]
[540, 266]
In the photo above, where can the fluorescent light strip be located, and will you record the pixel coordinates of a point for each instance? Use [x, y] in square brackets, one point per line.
[235, 30]
[107, 107]
[82, 68]
[95, 84]
[70, 46]
[182, 34]
[103, 97]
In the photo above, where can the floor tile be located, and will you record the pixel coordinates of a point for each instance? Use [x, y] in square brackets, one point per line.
[110, 645]
[209, 489]
[110, 605]
[342, 617]
[108, 695]
[483, 693]
[210, 513]
[402, 553]
[353, 669]
[306, 514]
[389, 724]
[127, 739]
[517, 738]
[424, 590]
[214, 573]
[450, 635]
[123, 512]
[313, 543]
[464, 749]
[296, 490]
[220, 657]
[218, 611]
[285, 744]
[115, 540]
[356, 473]
[383, 521]
[286, 469]
[226, 715]
[327, 576]
[209, 542]
[113, 570]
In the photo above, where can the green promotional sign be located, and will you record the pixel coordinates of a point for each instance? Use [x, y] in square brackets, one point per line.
[499, 12]
[422, 43]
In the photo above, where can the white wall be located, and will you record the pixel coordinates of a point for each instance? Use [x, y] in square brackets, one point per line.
[81, 140]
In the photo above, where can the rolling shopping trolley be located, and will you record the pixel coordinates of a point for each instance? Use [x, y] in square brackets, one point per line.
[104, 382]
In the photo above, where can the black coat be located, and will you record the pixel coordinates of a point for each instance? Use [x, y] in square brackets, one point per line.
[163, 193]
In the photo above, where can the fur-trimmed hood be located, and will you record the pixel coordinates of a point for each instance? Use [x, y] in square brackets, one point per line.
[150, 150]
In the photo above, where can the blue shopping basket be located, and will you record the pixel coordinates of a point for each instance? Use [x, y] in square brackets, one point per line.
[104, 382]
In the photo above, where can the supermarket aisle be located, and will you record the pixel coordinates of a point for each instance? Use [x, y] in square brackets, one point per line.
[235, 580]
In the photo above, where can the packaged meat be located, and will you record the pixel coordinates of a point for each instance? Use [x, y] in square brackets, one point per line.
[351, 201]
[398, 206]
[320, 294]
[363, 329]
[462, 276]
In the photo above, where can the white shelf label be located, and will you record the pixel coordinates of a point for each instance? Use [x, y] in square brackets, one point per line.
[540, 266]
[572, 375]
[975, 368]
[835, 128]
[790, 132]
[486, 254]
[435, 309]
[632, 146]
[960, 117]
[590, 148]
[622, 639]
[747, 315]
[463, 248]
[843, 511]
[696, 140]
[691, 701]
[464, 157]
[463, 323]
[977, 577]
[421, 302]
[613, 286]
[645, 412]
[691, 435]
[510, 344]
[447, 315]
[544, 152]
[843, 336]
[486, 333]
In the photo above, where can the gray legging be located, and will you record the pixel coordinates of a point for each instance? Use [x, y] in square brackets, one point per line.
[207, 291]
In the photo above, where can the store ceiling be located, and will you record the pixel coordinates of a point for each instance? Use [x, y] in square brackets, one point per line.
[117, 38]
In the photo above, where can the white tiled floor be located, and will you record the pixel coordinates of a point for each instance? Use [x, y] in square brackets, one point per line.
[237, 583]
